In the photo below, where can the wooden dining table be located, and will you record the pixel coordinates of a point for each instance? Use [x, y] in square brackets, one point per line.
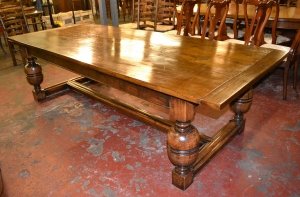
[161, 79]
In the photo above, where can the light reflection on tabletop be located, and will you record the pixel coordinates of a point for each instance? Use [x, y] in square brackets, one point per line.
[85, 52]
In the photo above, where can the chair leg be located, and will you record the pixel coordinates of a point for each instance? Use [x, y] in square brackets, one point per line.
[179, 23]
[1, 45]
[295, 73]
[12, 53]
[23, 53]
[285, 79]
[196, 21]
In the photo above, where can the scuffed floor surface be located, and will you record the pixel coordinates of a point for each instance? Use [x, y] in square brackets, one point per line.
[75, 146]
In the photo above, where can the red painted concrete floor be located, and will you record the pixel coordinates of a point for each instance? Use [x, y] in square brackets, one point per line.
[75, 146]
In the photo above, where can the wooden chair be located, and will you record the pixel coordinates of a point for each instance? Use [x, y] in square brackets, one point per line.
[292, 61]
[254, 35]
[255, 23]
[14, 23]
[144, 13]
[186, 17]
[7, 3]
[234, 33]
[148, 13]
[296, 68]
[180, 15]
[214, 20]
[255, 26]
[165, 12]
[125, 6]
[2, 35]
[35, 21]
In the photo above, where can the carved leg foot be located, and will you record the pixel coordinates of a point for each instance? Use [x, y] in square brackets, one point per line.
[34, 77]
[183, 143]
[240, 107]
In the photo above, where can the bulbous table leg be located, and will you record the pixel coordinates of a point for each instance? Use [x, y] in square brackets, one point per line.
[183, 143]
[35, 77]
[240, 107]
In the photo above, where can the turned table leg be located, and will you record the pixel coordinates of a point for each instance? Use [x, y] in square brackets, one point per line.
[183, 143]
[240, 107]
[34, 77]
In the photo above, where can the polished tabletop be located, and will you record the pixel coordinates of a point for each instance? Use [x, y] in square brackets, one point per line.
[198, 71]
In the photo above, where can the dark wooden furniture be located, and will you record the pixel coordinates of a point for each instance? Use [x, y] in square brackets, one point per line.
[215, 22]
[288, 18]
[2, 35]
[13, 21]
[35, 20]
[174, 76]
[255, 24]
[254, 34]
[291, 61]
[185, 16]
[294, 58]
[66, 5]
[148, 13]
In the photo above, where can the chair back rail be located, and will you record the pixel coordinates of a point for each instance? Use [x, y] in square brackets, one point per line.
[254, 33]
[13, 21]
[215, 21]
[294, 55]
[147, 13]
[35, 20]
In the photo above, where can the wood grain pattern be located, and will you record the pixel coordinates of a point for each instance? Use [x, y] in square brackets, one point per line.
[198, 71]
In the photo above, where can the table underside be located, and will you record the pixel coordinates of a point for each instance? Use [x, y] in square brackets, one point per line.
[157, 109]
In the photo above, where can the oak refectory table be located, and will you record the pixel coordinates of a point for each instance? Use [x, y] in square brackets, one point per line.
[174, 76]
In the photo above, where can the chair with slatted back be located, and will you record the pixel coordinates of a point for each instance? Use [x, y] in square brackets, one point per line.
[165, 12]
[296, 59]
[296, 67]
[180, 15]
[148, 13]
[214, 21]
[14, 23]
[277, 37]
[187, 17]
[144, 13]
[255, 27]
[255, 23]
[7, 3]
[291, 61]
[35, 21]
[125, 6]
[2, 35]
[236, 21]
[273, 37]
